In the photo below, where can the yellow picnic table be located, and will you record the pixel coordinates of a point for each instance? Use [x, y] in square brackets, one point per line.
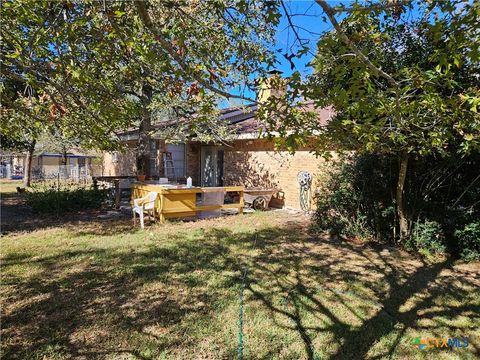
[181, 201]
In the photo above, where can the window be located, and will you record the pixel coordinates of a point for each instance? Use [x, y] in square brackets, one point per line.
[152, 163]
[178, 156]
[212, 166]
[115, 156]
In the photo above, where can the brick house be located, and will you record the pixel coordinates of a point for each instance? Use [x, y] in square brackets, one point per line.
[247, 160]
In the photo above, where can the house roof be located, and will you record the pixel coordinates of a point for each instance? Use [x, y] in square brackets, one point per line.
[247, 123]
[243, 120]
[69, 155]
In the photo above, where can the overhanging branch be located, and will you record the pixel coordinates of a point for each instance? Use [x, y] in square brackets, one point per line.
[392, 4]
[143, 13]
[376, 70]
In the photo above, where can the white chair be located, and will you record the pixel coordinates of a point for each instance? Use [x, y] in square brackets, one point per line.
[144, 205]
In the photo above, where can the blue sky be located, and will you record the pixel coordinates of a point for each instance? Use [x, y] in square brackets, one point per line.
[307, 17]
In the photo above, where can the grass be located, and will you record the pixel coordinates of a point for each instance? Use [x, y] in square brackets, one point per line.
[8, 187]
[105, 290]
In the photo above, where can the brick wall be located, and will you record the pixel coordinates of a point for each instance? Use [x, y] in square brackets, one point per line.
[193, 162]
[125, 164]
[255, 163]
[252, 163]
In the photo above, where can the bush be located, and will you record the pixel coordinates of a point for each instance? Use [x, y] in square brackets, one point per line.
[58, 200]
[427, 238]
[352, 202]
[468, 240]
[357, 199]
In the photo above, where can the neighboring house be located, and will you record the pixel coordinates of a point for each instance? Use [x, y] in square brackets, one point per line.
[11, 165]
[248, 160]
[46, 165]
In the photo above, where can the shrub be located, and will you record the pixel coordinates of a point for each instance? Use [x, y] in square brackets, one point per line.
[357, 199]
[58, 200]
[427, 238]
[468, 239]
[353, 202]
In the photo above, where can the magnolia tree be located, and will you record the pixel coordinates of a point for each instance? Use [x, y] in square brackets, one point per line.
[109, 66]
[402, 78]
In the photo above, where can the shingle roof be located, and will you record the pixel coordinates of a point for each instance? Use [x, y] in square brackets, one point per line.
[247, 122]
[244, 120]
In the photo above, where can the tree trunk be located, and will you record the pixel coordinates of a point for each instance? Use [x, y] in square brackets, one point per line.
[143, 147]
[27, 172]
[402, 217]
[64, 156]
[63, 171]
[143, 143]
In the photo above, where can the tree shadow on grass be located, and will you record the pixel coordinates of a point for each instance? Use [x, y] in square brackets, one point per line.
[96, 302]
[395, 306]
[77, 290]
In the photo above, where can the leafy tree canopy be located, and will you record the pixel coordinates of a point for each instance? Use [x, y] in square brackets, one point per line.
[101, 67]
[401, 79]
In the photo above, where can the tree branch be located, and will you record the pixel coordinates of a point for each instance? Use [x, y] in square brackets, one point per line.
[143, 13]
[376, 70]
[291, 23]
[392, 4]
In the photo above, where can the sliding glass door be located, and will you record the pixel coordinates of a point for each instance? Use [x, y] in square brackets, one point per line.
[212, 166]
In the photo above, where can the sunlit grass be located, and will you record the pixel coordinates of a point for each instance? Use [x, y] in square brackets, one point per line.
[9, 186]
[106, 290]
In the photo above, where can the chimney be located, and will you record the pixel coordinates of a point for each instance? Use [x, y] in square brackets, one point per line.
[272, 85]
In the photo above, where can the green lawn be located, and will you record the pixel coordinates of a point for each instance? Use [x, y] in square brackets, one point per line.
[9, 186]
[105, 290]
